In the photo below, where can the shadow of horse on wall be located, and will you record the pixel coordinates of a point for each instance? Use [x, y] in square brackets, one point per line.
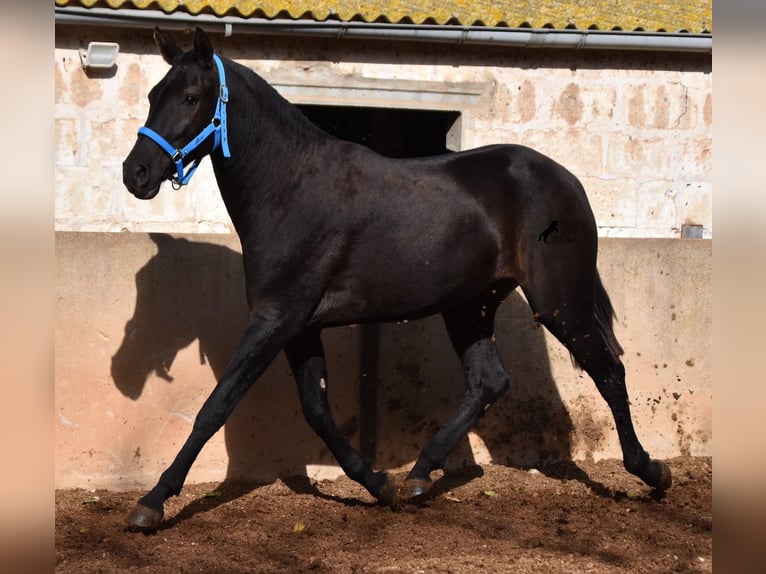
[391, 385]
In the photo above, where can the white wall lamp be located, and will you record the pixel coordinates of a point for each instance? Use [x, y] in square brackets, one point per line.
[99, 55]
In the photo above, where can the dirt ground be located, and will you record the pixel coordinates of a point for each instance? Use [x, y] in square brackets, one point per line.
[567, 517]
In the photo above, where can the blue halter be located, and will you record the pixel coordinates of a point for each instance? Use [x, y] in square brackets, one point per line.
[217, 126]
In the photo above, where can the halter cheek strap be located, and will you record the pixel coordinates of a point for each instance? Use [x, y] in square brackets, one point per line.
[217, 127]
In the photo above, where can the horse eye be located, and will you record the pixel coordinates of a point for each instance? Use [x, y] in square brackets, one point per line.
[190, 100]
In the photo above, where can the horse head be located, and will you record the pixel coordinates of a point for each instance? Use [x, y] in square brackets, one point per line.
[184, 122]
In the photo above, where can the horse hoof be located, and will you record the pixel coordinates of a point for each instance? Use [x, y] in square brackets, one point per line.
[660, 472]
[142, 519]
[389, 493]
[415, 487]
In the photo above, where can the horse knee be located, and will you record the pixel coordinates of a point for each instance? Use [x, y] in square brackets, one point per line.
[496, 387]
[209, 419]
[495, 379]
[492, 388]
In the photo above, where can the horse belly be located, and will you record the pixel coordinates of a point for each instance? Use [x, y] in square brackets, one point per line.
[409, 281]
[421, 241]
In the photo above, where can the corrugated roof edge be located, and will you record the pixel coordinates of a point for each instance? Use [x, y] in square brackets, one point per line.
[460, 35]
[562, 23]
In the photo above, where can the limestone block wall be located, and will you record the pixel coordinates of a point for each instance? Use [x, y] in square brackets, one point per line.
[635, 127]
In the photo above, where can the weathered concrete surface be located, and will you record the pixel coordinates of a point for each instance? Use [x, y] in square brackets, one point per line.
[144, 325]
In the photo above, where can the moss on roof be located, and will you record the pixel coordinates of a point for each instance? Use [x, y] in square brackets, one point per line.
[694, 16]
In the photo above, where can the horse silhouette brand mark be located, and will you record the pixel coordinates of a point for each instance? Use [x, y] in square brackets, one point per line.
[552, 228]
[564, 232]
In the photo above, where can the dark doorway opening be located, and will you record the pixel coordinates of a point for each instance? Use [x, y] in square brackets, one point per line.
[392, 132]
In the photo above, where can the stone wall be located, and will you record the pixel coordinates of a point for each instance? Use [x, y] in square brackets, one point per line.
[635, 127]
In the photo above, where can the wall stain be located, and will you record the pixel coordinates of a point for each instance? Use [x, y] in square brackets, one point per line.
[526, 101]
[569, 105]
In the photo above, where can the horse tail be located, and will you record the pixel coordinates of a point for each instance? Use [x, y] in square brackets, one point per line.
[604, 314]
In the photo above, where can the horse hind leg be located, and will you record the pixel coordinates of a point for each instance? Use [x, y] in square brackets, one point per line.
[307, 360]
[471, 331]
[583, 324]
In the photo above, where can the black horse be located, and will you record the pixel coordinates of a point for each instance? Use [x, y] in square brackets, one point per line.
[333, 233]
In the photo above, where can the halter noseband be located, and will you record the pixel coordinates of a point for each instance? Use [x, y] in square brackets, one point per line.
[217, 126]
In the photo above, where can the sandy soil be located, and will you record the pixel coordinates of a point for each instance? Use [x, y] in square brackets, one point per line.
[583, 517]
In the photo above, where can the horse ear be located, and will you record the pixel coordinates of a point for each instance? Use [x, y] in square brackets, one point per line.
[166, 46]
[203, 48]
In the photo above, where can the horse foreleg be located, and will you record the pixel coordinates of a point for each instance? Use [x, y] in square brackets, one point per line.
[306, 356]
[470, 329]
[258, 347]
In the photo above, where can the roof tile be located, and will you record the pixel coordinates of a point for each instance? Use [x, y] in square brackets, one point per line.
[695, 16]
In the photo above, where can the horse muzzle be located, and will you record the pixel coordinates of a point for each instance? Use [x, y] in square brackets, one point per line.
[137, 178]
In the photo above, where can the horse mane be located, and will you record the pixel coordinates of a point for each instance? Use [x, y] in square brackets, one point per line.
[275, 105]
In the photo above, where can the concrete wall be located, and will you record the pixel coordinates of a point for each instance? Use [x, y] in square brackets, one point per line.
[636, 128]
[145, 325]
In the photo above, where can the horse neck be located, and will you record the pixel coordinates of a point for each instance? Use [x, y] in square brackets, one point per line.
[268, 137]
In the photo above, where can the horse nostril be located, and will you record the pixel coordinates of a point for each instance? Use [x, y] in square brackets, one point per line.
[140, 175]
[134, 175]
